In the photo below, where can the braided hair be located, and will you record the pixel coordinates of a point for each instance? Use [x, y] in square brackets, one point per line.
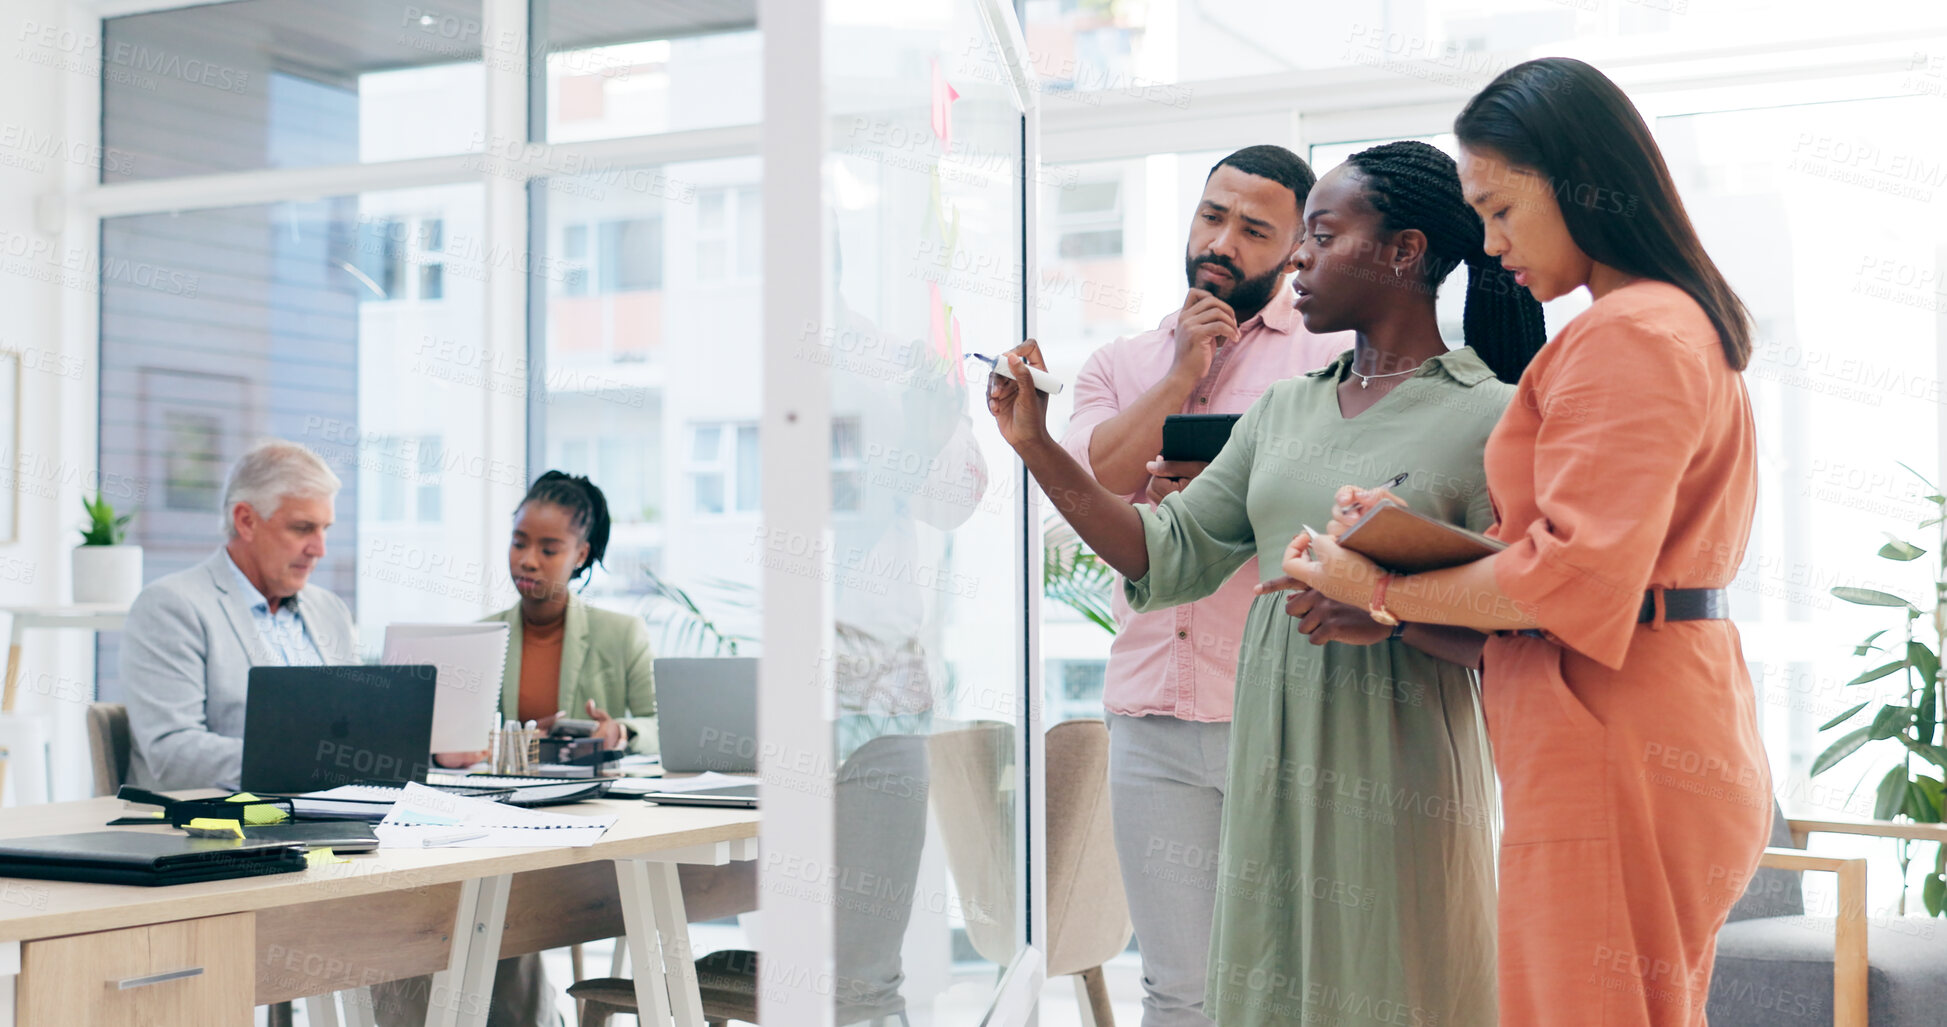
[1415, 185]
[587, 510]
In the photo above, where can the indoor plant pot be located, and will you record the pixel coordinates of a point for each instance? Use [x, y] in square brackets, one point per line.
[106, 568]
[107, 574]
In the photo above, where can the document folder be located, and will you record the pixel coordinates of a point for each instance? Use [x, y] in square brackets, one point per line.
[144, 857]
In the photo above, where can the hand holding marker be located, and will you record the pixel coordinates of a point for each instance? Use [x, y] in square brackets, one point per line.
[1043, 381]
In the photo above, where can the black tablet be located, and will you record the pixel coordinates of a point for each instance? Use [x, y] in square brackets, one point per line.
[1196, 436]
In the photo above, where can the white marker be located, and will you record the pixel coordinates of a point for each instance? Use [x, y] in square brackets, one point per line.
[1043, 381]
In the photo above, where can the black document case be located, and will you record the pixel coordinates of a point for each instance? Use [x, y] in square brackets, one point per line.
[144, 857]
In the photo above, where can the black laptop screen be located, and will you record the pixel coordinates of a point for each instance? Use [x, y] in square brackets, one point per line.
[311, 728]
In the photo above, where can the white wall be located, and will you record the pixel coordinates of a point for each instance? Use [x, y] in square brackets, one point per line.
[47, 283]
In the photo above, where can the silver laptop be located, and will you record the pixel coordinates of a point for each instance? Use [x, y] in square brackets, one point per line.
[706, 714]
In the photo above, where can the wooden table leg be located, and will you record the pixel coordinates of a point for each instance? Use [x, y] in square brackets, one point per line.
[462, 991]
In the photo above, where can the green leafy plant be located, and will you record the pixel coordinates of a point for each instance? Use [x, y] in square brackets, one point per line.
[1075, 577]
[689, 630]
[1909, 791]
[105, 527]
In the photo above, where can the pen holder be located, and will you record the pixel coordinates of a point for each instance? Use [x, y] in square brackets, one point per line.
[513, 751]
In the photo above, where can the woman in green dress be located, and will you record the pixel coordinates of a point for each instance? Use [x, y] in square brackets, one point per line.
[1357, 883]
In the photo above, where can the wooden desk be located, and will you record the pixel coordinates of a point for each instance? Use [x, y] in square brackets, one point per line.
[381, 916]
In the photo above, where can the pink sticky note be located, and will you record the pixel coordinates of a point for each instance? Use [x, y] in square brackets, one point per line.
[943, 97]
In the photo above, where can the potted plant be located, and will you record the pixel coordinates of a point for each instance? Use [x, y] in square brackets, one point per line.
[1912, 790]
[106, 569]
[1075, 577]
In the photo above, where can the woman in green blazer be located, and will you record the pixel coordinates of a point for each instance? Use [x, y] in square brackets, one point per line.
[563, 654]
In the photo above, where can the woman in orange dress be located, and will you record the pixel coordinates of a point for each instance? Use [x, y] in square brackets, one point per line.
[1636, 793]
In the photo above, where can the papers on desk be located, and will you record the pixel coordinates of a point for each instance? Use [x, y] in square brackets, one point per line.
[470, 659]
[426, 817]
[707, 779]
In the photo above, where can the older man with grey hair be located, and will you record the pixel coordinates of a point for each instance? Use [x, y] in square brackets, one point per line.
[192, 637]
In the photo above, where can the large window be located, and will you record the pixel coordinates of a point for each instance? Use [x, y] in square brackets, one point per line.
[281, 84]
[310, 321]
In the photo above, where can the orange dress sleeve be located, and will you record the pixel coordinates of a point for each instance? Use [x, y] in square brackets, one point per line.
[1622, 413]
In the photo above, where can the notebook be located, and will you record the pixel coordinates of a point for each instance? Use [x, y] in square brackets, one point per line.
[371, 802]
[336, 835]
[1408, 542]
[144, 858]
[471, 659]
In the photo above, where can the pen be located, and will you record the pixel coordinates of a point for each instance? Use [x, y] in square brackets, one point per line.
[450, 839]
[1390, 483]
[1043, 381]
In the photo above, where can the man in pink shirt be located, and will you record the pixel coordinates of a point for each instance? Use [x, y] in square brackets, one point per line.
[1171, 673]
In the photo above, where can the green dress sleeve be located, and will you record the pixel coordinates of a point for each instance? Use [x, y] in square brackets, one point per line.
[1197, 538]
[639, 685]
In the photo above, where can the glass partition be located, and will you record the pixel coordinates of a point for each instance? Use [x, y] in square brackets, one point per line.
[1828, 220]
[926, 218]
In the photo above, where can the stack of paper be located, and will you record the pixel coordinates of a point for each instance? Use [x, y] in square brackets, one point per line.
[471, 659]
[356, 802]
[426, 817]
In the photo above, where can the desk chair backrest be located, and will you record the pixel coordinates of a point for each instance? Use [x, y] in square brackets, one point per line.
[976, 821]
[108, 744]
[1088, 912]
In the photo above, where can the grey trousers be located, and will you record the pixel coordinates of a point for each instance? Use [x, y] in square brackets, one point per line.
[1166, 783]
